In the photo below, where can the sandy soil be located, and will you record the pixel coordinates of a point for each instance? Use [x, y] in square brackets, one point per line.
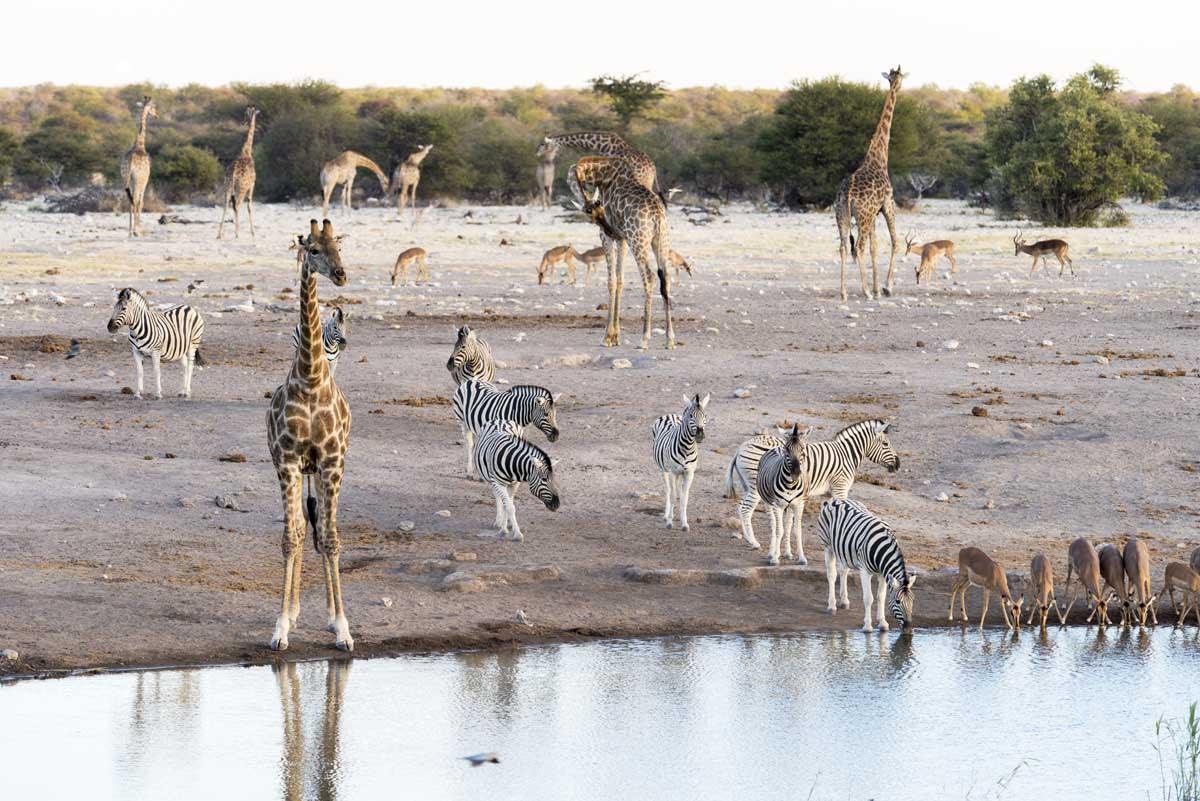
[114, 553]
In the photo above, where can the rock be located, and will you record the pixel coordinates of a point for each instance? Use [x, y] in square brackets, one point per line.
[187, 503]
[990, 504]
[741, 392]
[119, 496]
[1100, 360]
[387, 602]
[226, 503]
[746, 578]
[943, 498]
[950, 344]
[1047, 343]
[463, 556]
[664, 575]
[442, 513]
[407, 526]
[979, 411]
[712, 329]
[621, 364]
[972, 365]
[9, 655]
[462, 582]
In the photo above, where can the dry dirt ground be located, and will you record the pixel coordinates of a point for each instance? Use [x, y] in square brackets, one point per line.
[113, 551]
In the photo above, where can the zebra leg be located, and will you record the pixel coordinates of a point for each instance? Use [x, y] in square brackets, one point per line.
[684, 493]
[868, 598]
[137, 362]
[881, 599]
[156, 362]
[509, 504]
[776, 527]
[801, 559]
[669, 510]
[746, 509]
[785, 527]
[501, 512]
[186, 390]
[845, 602]
[831, 573]
[469, 441]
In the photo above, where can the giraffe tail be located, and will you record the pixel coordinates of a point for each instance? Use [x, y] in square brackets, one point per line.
[853, 248]
[310, 508]
[129, 193]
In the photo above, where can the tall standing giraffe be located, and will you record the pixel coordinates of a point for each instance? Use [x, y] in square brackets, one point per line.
[342, 170]
[135, 169]
[308, 430]
[406, 177]
[866, 193]
[239, 183]
[637, 164]
[547, 152]
[630, 213]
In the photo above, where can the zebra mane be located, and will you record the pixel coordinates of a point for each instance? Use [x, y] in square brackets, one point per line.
[545, 457]
[536, 389]
[859, 425]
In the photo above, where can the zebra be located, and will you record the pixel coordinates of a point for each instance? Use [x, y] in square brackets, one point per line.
[171, 334]
[471, 358]
[477, 403]
[857, 539]
[505, 459]
[675, 452]
[781, 482]
[832, 465]
[333, 337]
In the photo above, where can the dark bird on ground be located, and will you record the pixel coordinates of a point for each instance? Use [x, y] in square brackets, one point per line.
[482, 759]
[74, 349]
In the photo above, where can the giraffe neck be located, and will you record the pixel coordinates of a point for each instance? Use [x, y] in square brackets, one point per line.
[140, 142]
[248, 145]
[877, 153]
[310, 352]
[605, 144]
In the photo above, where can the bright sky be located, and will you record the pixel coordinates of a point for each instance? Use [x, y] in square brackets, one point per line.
[505, 43]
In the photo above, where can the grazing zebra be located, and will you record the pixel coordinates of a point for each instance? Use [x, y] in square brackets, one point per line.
[857, 539]
[832, 465]
[471, 358]
[781, 482]
[165, 336]
[676, 454]
[477, 403]
[333, 337]
[505, 459]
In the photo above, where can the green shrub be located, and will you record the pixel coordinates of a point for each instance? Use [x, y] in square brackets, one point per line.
[183, 170]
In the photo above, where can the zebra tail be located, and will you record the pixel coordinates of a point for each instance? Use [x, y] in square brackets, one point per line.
[200, 360]
[730, 492]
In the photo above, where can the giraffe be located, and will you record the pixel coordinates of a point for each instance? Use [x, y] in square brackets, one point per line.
[239, 182]
[308, 430]
[630, 213]
[135, 169]
[637, 164]
[547, 152]
[865, 194]
[406, 177]
[342, 171]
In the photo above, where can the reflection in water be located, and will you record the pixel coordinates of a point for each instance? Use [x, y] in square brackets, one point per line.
[830, 716]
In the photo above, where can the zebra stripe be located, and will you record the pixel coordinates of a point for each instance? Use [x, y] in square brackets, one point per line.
[781, 482]
[675, 439]
[333, 337]
[831, 468]
[477, 403]
[857, 539]
[169, 335]
[471, 358]
[505, 459]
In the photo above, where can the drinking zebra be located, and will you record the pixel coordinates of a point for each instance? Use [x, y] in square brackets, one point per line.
[168, 335]
[333, 337]
[781, 482]
[506, 459]
[477, 403]
[857, 539]
[471, 358]
[832, 465]
[676, 454]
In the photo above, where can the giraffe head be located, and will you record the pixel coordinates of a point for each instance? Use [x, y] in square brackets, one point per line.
[148, 107]
[251, 114]
[320, 253]
[548, 148]
[894, 77]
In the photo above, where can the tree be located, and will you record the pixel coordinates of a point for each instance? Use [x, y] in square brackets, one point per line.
[819, 133]
[66, 147]
[184, 170]
[9, 145]
[1064, 156]
[1177, 114]
[629, 96]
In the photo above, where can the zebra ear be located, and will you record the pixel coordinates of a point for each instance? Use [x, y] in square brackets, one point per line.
[556, 398]
[887, 426]
[687, 400]
[912, 577]
[704, 400]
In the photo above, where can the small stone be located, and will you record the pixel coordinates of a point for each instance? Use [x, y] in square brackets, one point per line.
[741, 392]
[1047, 343]
[225, 503]
[387, 602]
[950, 344]
[407, 526]
[187, 503]
[621, 364]
[990, 504]
[712, 329]
[1100, 360]
[972, 365]
[126, 390]
[943, 498]
[463, 556]
[920, 343]
[442, 513]
[119, 496]
[9, 655]
[979, 411]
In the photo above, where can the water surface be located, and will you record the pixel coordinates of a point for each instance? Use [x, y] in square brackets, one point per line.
[941, 714]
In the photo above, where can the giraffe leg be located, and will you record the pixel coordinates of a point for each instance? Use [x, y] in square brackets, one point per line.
[643, 263]
[413, 202]
[137, 362]
[293, 538]
[138, 198]
[863, 235]
[224, 212]
[613, 252]
[327, 191]
[661, 258]
[250, 211]
[874, 259]
[841, 215]
[156, 362]
[329, 483]
[889, 217]
[348, 195]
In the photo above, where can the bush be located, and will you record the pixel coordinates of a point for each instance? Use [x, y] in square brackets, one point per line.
[65, 148]
[819, 135]
[182, 171]
[1062, 157]
[9, 145]
[1177, 114]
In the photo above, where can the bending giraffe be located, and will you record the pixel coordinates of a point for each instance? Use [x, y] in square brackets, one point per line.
[638, 166]
[342, 171]
[135, 169]
[627, 213]
[308, 431]
[405, 179]
[867, 193]
[239, 183]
